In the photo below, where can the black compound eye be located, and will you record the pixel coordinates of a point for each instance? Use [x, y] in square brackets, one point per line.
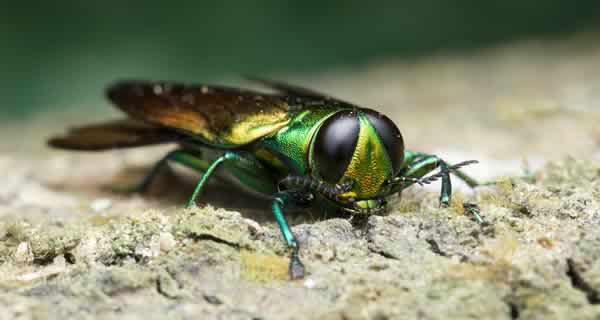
[335, 144]
[390, 136]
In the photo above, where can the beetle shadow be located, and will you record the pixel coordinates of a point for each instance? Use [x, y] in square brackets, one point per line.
[174, 187]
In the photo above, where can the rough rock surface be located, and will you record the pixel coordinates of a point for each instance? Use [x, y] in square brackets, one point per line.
[71, 249]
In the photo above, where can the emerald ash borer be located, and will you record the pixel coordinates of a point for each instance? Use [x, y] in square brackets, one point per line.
[296, 146]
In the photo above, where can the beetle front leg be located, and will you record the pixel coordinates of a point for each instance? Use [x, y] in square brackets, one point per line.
[296, 268]
[446, 192]
[417, 165]
[421, 165]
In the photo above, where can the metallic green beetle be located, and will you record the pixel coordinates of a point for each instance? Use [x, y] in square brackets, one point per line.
[296, 146]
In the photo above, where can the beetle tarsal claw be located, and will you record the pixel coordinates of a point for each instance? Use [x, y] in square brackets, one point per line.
[296, 268]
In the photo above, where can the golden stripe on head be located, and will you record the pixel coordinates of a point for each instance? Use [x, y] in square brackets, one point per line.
[370, 166]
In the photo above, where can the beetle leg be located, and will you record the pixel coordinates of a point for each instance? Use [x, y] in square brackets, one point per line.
[207, 173]
[179, 155]
[414, 159]
[421, 164]
[526, 176]
[446, 192]
[412, 171]
[296, 268]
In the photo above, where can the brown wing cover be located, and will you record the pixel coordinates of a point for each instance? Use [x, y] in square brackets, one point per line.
[112, 135]
[302, 95]
[220, 116]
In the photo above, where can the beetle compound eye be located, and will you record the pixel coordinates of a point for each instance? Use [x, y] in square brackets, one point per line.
[335, 143]
[390, 136]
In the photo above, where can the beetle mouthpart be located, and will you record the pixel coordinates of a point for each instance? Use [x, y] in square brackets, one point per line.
[344, 187]
[368, 207]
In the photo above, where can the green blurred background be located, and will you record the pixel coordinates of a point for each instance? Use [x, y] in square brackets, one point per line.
[61, 54]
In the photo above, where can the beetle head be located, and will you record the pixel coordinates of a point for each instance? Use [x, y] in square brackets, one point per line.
[361, 147]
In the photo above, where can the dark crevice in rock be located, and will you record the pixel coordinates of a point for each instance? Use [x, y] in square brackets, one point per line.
[419, 229]
[435, 248]
[167, 285]
[210, 237]
[514, 310]
[212, 299]
[162, 291]
[580, 284]
[70, 258]
[360, 223]
[384, 254]
[488, 229]
[525, 211]
[512, 302]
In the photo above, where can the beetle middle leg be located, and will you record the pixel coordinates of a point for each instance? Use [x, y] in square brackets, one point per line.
[187, 158]
[191, 160]
[207, 173]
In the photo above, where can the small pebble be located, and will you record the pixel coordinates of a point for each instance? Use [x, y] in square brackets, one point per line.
[309, 283]
[254, 228]
[167, 241]
[101, 204]
[154, 247]
[59, 265]
[23, 253]
[143, 251]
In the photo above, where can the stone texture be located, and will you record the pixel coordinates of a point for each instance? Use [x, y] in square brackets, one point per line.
[71, 249]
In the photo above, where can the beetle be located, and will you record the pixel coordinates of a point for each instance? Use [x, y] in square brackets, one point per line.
[296, 145]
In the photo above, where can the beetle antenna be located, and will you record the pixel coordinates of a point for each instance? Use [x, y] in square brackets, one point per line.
[444, 171]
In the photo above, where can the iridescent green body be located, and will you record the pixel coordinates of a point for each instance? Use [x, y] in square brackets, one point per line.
[289, 151]
[297, 147]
